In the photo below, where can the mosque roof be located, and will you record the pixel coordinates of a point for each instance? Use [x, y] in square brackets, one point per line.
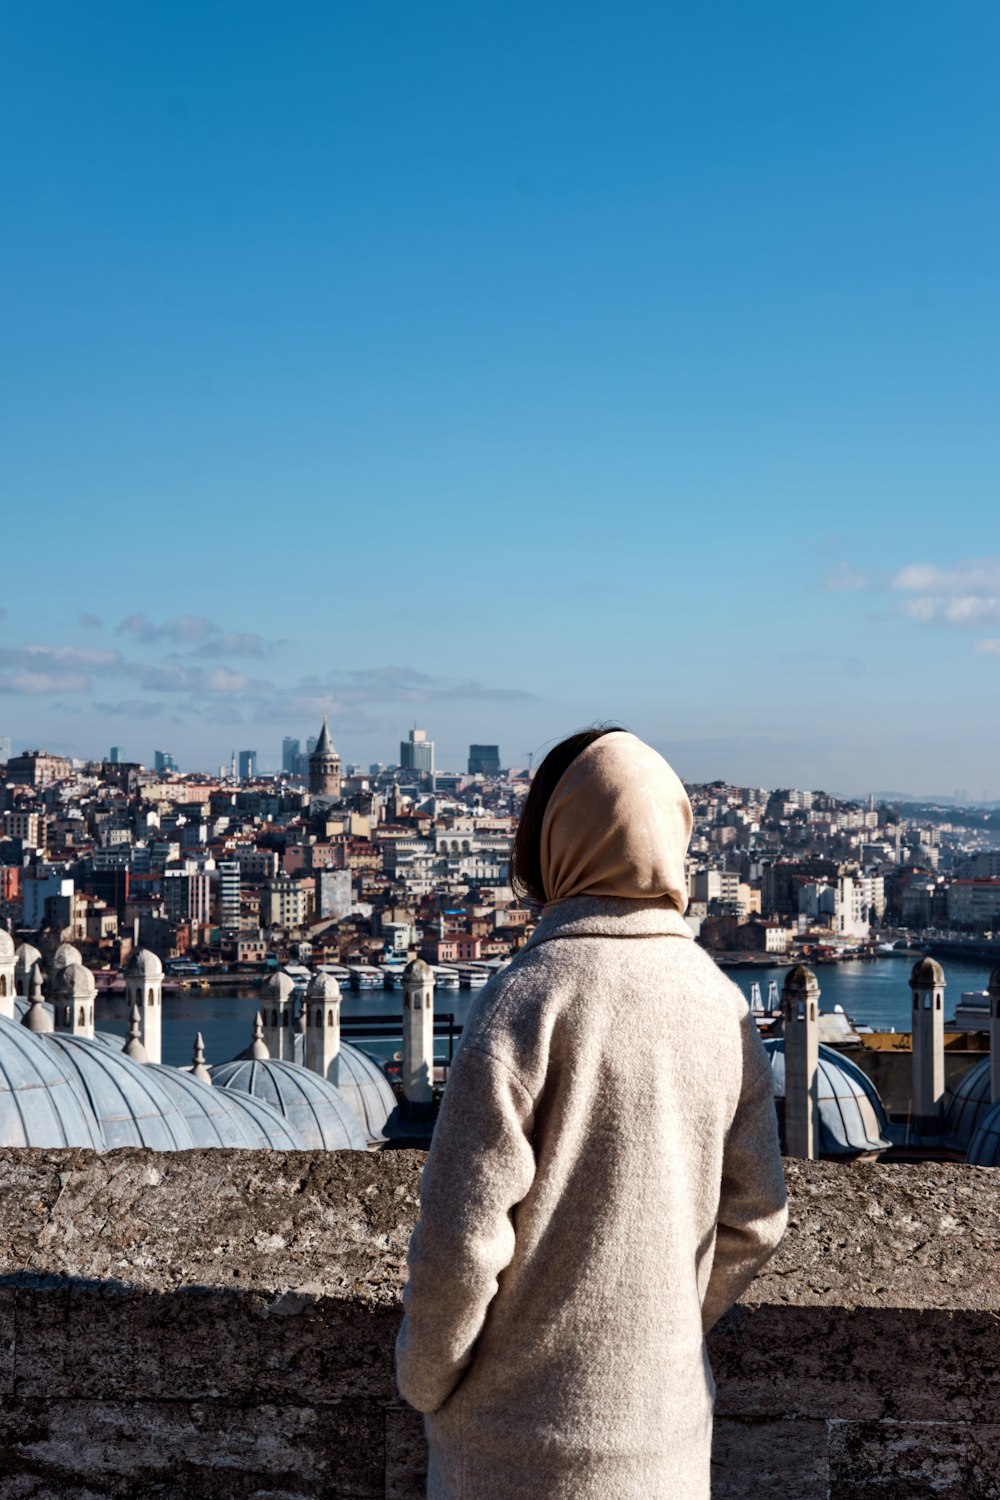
[367, 1090]
[39, 1104]
[7, 948]
[314, 1107]
[76, 982]
[851, 1116]
[65, 955]
[225, 1117]
[926, 973]
[968, 1106]
[132, 1106]
[27, 956]
[143, 965]
[280, 987]
[984, 1148]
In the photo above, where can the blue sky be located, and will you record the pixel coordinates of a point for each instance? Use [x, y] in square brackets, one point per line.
[502, 368]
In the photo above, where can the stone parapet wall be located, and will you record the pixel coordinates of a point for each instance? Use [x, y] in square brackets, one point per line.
[221, 1324]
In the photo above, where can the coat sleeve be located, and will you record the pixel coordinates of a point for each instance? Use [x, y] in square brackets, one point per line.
[480, 1165]
[753, 1205]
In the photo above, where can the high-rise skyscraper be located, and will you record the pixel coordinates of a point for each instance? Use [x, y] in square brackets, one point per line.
[163, 762]
[484, 760]
[6, 748]
[248, 765]
[115, 755]
[291, 749]
[417, 753]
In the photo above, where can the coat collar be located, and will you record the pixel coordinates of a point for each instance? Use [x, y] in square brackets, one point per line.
[608, 916]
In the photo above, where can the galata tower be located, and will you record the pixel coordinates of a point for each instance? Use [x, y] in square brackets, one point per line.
[324, 766]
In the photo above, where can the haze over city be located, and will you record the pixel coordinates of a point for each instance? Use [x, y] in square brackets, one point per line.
[503, 371]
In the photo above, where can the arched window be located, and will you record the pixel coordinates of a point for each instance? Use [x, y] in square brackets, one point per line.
[319, 1017]
[284, 1018]
[274, 1018]
[329, 1018]
[3, 984]
[80, 1019]
[812, 1010]
[151, 999]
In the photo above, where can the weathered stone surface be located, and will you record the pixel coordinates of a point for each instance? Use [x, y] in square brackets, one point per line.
[214, 1323]
[758, 1457]
[914, 1461]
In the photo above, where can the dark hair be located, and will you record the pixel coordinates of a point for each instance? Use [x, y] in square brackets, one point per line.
[526, 854]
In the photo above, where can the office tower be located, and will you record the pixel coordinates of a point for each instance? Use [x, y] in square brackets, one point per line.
[115, 755]
[291, 749]
[484, 760]
[163, 762]
[417, 753]
[6, 747]
[248, 764]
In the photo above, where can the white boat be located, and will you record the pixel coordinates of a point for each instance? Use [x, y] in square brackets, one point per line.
[445, 978]
[365, 978]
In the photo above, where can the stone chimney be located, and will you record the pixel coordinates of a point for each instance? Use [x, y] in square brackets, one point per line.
[418, 1040]
[927, 1109]
[800, 1021]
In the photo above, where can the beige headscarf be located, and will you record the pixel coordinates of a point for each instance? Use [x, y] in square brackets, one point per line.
[617, 824]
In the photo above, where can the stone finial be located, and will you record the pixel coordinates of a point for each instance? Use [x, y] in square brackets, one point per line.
[198, 1068]
[418, 972]
[36, 1018]
[258, 1048]
[133, 1047]
[927, 974]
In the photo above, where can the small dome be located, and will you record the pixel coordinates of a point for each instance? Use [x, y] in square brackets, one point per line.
[417, 972]
[65, 955]
[927, 973]
[367, 1090]
[984, 1149]
[800, 978]
[131, 1105]
[76, 983]
[27, 957]
[312, 1106]
[225, 1117]
[851, 1116]
[143, 965]
[323, 986]
[7, 948]
[39, 1105]
[968, 1106]
[280, 987]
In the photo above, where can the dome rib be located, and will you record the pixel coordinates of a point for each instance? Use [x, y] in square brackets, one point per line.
[851, 1115]
[312, 1105]
[133, 1109]
[39, 1105]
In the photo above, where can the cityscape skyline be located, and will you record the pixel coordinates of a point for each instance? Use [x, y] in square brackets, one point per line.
[334, 382]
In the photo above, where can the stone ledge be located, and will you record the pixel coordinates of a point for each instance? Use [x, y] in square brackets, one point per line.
[216, 1323]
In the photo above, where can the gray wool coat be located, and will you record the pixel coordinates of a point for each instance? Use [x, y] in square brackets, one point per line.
[603, 1182]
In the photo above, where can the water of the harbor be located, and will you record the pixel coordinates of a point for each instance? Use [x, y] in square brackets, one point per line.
[874, 992]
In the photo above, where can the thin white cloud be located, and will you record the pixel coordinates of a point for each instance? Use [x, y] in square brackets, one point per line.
[974, 576]
[89, 621]
[182, 630]
[35, 684]
[234, 643]
[846, 579]
[989, 647]
[31, 657]
[959, 609]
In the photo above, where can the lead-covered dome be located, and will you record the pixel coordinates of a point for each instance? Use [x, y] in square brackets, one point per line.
[65, 955]
[26, 957]
[131, 1105]
[225, 1117]
[7, 948]
[39, 1104]
[968, 1106]
[143, 965]
[984, 1149]
[367, 1090]
[851, 1116]
[315, 1108]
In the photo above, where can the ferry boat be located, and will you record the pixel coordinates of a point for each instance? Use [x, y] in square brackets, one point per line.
[471, 977]
[363, 977]
[445, 978]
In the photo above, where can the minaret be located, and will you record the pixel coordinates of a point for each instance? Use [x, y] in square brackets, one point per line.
[927, 1109]
[25, 960]
[198, 1068]
[418, 1040]
[323, 1037]
[995, 1036]
[74, 994]
[277, 999]
[36, 1018]
[144, 986]
[133, 1047]
[8, 965]
[324, 766]
[258, 1047]
[800, 1023]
